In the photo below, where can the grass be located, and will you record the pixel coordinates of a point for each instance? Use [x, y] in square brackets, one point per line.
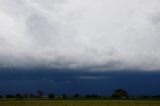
[79, 103]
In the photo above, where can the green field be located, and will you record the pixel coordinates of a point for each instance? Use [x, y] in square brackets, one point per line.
[80, 103]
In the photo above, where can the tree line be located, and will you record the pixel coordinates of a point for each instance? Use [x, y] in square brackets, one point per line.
[118, 93]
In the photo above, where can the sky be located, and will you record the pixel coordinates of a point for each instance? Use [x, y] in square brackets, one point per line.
[106, 42]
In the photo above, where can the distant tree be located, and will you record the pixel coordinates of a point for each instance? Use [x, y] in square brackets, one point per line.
[1, 96]
[9, 96]
[64, 96]
[18, 95]
[51, 95]
[87, 96]
[94, 96]
[120, 93]
[40, 93]
[76, 95]
[145, 96]
[156, 96]
[31, 96]
[25, 96]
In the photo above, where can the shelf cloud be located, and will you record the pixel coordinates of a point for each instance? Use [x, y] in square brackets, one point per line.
[95, 35]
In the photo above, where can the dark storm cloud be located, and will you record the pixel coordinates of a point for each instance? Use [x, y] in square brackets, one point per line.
[71, 82]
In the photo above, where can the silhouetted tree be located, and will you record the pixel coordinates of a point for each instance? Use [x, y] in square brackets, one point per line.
[25, 96]
[145, 96]
[1, 96]
[9, 96]
[92, 96]
[18, 95]
[51, 95]
[120, 93]
[31, 96]
[87, 96]
[40, 93]
[64, 96]
[76, 95]
[156, 96]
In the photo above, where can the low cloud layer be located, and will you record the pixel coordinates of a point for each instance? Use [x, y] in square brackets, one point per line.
[97, 35]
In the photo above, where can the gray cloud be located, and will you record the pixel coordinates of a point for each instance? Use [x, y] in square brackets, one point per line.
[41, 31]
[97, 35]
[93, 77]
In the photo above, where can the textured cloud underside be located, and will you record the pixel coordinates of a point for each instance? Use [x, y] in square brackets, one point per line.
[97, 35]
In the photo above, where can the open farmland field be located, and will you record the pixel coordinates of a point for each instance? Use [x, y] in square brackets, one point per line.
[80, 103]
